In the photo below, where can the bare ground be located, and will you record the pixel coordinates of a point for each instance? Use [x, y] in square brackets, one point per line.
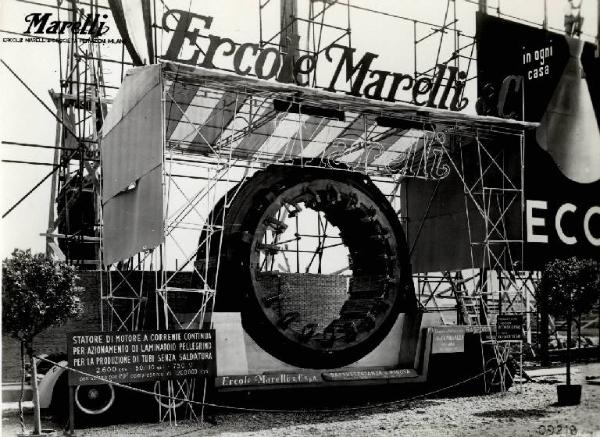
[526, 410]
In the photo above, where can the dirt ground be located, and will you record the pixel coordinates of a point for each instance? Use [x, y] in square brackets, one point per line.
[525, 410]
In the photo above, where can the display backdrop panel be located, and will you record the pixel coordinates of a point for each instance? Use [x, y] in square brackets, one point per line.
[132, 154]
[540, 76]
[530, 74]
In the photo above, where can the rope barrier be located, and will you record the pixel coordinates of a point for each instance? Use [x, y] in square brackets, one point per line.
[264, 410]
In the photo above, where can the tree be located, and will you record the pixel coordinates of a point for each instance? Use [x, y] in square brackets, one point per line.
[569, 287]
[37, 293]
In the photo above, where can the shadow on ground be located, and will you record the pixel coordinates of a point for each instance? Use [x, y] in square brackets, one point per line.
[533, 413]
[258, 411]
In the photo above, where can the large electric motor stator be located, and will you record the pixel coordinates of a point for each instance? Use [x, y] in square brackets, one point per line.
[273, 269]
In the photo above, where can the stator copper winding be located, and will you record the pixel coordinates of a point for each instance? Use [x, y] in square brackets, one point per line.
[308, 319]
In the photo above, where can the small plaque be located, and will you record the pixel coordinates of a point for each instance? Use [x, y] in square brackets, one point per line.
[509, 327]
[362, 374]
[271, 378]
[448, 340]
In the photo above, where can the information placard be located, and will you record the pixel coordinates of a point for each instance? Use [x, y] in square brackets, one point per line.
[509, 327]
[139, 356]
[270, 378]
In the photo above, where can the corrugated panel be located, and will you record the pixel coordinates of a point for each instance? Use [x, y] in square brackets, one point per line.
[133, 219]
[135, 86]
[132, 154]
[133, 147]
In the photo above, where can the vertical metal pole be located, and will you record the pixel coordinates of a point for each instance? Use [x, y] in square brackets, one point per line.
[154, 29]
[54, 180]
[203, 399]
[456, 39]
[71, 410]
[527, 315]
[521, 367]
[545, 23]
[569, 321]
[260, 29]
[297, 246]
[543, 330]
[289, 25]
[158, 286]
[37, 424]
[415, 47]
[483, 6]
[349, 24]
[289, 38]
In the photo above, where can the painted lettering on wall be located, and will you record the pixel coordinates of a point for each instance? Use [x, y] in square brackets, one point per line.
[540, 219]
[536, 62]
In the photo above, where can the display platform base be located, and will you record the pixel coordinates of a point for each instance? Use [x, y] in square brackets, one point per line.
[402, 357]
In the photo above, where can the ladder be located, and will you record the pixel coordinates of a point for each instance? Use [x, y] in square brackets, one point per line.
[470, 307]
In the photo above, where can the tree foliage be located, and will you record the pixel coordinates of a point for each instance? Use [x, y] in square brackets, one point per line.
[37, 293]
[573, 282]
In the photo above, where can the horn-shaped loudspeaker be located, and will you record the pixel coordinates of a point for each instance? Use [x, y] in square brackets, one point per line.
[569, 130]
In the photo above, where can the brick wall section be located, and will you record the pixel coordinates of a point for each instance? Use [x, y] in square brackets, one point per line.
[180, 303]
[317, 298]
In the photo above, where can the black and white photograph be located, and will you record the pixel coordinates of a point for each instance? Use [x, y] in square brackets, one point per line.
[300, 218]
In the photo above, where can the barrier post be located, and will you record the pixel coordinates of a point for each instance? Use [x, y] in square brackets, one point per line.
[71, 431]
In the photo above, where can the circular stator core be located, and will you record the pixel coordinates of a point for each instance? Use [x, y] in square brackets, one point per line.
[316, 262]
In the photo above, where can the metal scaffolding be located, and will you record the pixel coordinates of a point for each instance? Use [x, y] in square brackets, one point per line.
[493, 193]
[81, 105]
[229, 153]
[205, 160]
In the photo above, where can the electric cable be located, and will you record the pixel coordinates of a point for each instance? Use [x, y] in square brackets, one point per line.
[264, 410]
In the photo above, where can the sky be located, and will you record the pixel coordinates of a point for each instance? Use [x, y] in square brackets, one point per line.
[23, 119]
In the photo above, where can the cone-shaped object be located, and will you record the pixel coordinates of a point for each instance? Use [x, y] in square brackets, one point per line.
[569, 130]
